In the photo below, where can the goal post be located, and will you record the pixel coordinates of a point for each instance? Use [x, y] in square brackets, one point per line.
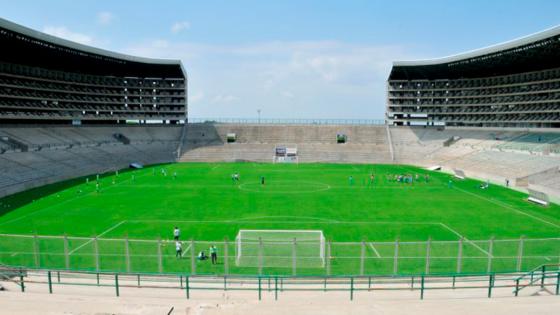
[280, 248]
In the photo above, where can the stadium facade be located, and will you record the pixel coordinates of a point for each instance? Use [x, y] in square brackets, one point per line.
[51, 80]
[513, 84]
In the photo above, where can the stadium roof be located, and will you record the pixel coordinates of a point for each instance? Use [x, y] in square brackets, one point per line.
[26, 46]
[535, 52]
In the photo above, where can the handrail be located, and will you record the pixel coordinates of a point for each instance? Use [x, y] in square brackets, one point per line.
[268, 283]
[541, 271]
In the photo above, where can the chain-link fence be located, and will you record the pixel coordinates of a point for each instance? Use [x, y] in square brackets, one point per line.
[278, 258]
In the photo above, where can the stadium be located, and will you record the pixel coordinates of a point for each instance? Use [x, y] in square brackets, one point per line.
[100, 164]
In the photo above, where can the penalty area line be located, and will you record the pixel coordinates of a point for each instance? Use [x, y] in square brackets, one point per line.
[466, 239]
[374, 250]
[98, 236]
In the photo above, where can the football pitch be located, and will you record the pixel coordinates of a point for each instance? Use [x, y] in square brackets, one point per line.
[436, 224]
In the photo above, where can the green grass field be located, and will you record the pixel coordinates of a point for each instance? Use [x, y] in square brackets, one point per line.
[209, 207]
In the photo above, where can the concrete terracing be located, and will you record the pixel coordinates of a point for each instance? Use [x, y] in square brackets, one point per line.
[315, 143]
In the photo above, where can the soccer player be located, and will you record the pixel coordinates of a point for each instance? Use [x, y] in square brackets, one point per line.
[262, 180]
[87, 180]
[178, 249]
[214, 254]
[450, 184]
[176, 233]
[97, 187]
[350, 180]
[175, 175]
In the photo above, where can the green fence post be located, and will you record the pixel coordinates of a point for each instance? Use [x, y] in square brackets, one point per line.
[21, 282]
[351, 288]
[543, 276]
[259, 288]
[138, 275]
[193, 258]
[517, 287]
[453, 281]
[412, 283]
[490, 285]
[180, 281]
[66, 256]
[459, 256]
[520, 254]
[226, 257]
[362, 257]
[127, 253]
[117, 284]
[50, 281]
[428, 252]
[490, 255]
[36, 250]
[369, 284]
[325, 284]
[97, 276]
[294, 257]
[58, 276]
[187, 287]
[276, 288]
[558, 283]
[159, 255]
[396, 258]
[96, 253]
[422, 288]
[328, 262]
[260, 257]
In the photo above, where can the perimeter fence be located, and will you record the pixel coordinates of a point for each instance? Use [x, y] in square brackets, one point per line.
[278, 258]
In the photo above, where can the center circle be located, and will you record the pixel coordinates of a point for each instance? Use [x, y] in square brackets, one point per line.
[285, 187]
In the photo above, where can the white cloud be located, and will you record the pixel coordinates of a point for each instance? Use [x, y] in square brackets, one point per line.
[286, 79]
[105, 18]
[63, 32]
[180, 26]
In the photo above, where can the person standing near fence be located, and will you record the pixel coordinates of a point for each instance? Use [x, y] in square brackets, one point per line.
[178, 250]
[176, 233]
[214, 254]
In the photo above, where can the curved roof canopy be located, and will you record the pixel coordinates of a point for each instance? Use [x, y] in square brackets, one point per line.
[22, 45]
[535, 52]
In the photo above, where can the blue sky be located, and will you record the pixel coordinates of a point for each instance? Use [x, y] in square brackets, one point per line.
[291, 59]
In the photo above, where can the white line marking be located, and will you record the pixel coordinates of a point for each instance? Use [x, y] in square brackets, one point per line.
[186, 250]
[98, 236]
[466, 239]
[66, 201]
[504, 205]
[287, 222]
[374, 250]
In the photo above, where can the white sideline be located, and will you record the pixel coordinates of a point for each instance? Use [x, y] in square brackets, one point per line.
[504, 205]
[374, 250]
[65, 201]
[466, 239]
[103, 233]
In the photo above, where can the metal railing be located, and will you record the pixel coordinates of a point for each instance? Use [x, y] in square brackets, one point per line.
[275, 285]
[288, 121]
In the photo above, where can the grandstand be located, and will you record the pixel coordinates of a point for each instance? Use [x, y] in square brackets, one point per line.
[513, 84]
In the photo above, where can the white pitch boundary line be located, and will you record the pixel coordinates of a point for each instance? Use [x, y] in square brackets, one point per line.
[98, 236]
[504, 205]
[186, 250]
[66, 201]
[466, 239]
[374, 250]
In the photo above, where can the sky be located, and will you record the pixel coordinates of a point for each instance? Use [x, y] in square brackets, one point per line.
[289, 59]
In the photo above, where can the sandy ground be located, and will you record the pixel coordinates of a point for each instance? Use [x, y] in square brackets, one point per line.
[102, 300]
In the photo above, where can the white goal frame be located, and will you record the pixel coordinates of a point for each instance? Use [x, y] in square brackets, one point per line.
[286, 241]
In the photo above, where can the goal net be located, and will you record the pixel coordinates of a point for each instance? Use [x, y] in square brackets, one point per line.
[280, 248]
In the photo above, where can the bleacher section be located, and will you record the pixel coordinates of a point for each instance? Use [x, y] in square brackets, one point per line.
[57, 153]
[315, 143]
